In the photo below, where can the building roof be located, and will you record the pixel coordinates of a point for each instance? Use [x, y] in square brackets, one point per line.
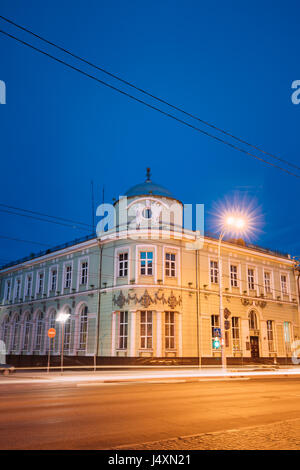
[148, 188]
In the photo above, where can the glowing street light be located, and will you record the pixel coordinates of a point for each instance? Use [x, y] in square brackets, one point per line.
[62, 318]
[232, 223]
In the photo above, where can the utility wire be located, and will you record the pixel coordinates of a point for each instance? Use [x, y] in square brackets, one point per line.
[21, 240]
[46, 215]
[149, 105]
[147, 93]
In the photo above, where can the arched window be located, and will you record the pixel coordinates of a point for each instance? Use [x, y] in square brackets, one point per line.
[252, 320]
[27, 332]
[83, 325]
[16, 329]
[67, 331]
[5, 332]
[51, 324]
[39, 331]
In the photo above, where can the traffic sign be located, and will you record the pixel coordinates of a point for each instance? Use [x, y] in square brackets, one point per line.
[217, 332]
[51, 332]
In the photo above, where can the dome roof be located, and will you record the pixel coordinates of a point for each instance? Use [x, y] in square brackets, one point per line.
[148, 188]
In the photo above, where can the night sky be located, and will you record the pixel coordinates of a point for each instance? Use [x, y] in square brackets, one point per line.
[230, 63]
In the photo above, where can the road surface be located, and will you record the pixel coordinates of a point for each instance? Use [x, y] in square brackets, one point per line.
[109, 416]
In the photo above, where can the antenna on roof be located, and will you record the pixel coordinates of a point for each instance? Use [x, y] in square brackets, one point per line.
[148, 174]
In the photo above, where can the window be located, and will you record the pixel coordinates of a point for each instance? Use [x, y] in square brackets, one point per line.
[51, 324]
[251, 284]
[8, 289]
[123, 265]
[233, 275]
[169, 330]
[270, 334]
[40, 286]
[236, 342]
[147, 213]
[287, 335]
[68, 276]
[84, 273]
[123, 330]
[27, 332]
[39, 331]
[214, 272]
[146, 329]
[170, 265]
[267, 280]
[5, 332]
[18, 289]
[83, 328]
[146, 263]
[28, 285]
[283, 280]
[252, 320]
[16, 326]
[67, 331]
[215, 323]
[53, 280]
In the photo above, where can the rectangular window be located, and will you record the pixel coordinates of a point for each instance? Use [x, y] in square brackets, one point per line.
[169, 330]
[8, 289]
[215, 323]
[267, 281]
[84, 273]
[214, 272]
[123, 330]
[146, 263]
[123, 265]
[233, 275]
[40, 283]
[68, 276]
[18, 289]
[270, 334]
[236, 341]
[28, 285]
[146, 329]
[53, 280]
[170, 265]
[251, 284]
[283, 280]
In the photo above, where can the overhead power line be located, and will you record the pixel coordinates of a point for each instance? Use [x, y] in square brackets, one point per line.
[21, 240]
[149, 105]
[147, 93]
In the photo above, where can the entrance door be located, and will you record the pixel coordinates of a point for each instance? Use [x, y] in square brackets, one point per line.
[254, 344]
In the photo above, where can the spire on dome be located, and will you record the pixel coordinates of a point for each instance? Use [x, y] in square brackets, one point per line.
[148, 176]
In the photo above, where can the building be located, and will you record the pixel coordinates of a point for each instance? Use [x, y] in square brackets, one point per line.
[135, 298]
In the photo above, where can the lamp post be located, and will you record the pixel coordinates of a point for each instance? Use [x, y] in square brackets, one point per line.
[231, 224]
[61, 318]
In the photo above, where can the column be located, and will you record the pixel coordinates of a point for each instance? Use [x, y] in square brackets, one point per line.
[132, 333]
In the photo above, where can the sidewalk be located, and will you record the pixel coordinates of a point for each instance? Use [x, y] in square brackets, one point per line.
[148, 375]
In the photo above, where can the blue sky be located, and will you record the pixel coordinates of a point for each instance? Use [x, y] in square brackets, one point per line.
[231, 63]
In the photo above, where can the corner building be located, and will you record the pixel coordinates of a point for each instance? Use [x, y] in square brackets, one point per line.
[147, 291]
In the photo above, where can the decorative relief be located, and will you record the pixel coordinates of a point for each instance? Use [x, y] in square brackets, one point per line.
[259, 303]
[146, 300]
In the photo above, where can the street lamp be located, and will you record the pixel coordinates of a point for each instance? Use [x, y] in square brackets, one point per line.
[61, 318]
[236, 224]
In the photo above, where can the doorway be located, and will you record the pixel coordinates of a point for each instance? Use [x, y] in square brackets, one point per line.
[254, 345]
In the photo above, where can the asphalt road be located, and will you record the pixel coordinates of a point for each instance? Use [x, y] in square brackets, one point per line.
[105, 416]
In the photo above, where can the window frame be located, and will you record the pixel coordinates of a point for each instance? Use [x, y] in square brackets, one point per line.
[170, 336]
[146, 337]
[213, 271]
[170, 264]
[148, 260]
[123, 330]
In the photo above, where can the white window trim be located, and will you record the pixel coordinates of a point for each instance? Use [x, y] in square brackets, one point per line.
[140, 248]
[51, 268]
[37, 282]
[270, 271]
[118, 250]
[26, 285]
[65, 264]
[234, 262]
[15, 288]
[5, 299]
[213, 258]
[176, 250]
[81, 260]
[256, 287]
[288, 286]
